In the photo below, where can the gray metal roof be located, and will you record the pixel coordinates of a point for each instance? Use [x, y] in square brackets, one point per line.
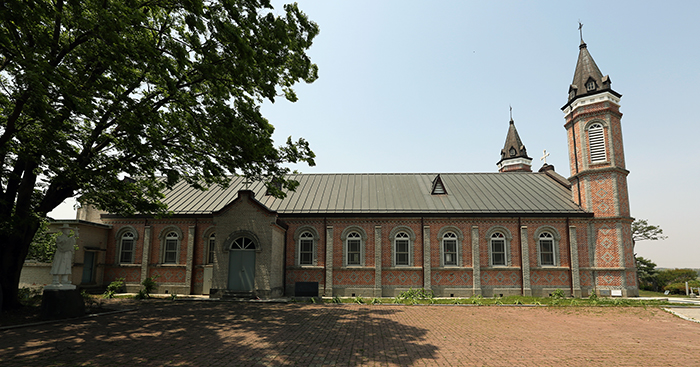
[400, 193]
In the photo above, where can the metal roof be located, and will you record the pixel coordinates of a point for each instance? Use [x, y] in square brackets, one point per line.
[387, 193]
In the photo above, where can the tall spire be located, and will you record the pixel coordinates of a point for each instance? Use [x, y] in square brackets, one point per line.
[514, 155]
[588, 79]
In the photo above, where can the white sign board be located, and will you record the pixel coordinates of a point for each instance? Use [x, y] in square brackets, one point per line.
[616, 292]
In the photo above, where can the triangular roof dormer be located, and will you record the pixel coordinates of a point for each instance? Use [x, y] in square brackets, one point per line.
[438, 187]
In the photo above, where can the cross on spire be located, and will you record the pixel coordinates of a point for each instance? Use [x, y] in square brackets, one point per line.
[580, 31]
[544, 157]
[511, 112]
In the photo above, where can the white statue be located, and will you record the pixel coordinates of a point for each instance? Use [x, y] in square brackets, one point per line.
[63, 259]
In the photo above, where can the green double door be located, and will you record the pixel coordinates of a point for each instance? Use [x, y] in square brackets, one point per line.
[241, 270]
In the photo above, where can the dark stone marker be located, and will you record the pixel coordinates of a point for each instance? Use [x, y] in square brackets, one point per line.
[62, 304]
[604, 292]
[306, 289]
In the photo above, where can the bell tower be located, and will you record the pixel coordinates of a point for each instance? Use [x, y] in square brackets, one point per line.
[599, 177]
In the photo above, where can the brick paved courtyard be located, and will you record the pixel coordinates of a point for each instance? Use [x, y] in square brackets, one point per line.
[248, 334]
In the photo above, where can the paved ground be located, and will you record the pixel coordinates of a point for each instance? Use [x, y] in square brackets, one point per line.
[191, 333]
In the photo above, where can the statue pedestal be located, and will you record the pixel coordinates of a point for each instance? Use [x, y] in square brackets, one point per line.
[61, 302]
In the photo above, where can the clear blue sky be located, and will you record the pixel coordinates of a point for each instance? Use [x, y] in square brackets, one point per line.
[410, 86]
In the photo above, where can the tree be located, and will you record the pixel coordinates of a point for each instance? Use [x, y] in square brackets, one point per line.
[643, 231]
[646, 273]
[115, 101]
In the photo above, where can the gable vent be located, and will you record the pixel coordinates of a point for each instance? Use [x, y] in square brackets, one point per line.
[438, 186]
[596, 142]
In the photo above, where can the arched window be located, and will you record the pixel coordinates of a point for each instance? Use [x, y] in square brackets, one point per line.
[306, 249]
[498, 249]
[211, 247]
[243, 243]
[596, 142]
[449, 249]
[126, 250]
[353, 248]
[402, 253]
[172, 245]
[546, 245]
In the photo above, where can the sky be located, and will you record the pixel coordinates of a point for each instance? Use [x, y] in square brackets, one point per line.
[425, 87]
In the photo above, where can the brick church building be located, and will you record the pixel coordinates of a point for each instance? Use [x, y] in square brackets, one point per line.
[511, 232]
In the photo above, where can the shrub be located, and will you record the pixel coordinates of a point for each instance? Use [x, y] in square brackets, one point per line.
[336, 299]
[679, 288]
[113, 288]
[29, 296]
[558, 294]
[416, 294]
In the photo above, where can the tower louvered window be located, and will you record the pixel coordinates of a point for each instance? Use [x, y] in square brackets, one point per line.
[596, 142]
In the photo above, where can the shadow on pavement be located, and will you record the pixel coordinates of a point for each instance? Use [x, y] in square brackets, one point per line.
[223, 333]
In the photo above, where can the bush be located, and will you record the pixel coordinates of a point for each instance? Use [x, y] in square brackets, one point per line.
[416, 294]
[149, 285]
[679, 288]
[558, 294]
[29, 296]
[114, 287]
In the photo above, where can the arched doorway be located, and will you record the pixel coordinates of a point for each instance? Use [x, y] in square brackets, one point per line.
[241, 265]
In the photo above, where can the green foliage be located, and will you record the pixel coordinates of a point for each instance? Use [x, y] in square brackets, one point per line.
[456, 301]
[149, 286]
[396, 300]
[337, 299]
[376, 301]
[646, 273]
[643, 231]
[558, 294]
[679, 287]
[312, 300]
[359, 300]
[43, 246]
[30, 296]
[113, 288]
[414, 295]
[477, 300]
[91, 304]
[670, 276]
[593, 296]
[157, 91]
[518, 302]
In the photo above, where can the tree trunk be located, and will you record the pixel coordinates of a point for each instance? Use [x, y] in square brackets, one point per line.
[13, 251]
